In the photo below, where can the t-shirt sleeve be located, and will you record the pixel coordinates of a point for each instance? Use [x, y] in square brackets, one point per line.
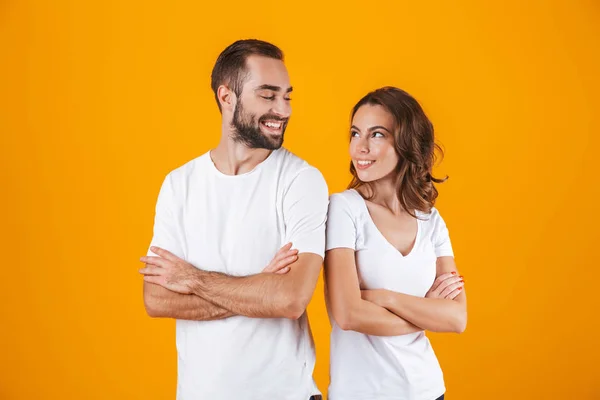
[305, 212]
[441, 237]
[166, 228]
[341, 228]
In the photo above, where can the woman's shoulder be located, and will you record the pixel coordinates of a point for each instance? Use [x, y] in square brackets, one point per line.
[432, 215]
[432, 220]
[349, 200]
[349, 196]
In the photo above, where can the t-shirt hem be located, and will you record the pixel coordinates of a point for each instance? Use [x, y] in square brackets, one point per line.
[344, 396]
[340, 246]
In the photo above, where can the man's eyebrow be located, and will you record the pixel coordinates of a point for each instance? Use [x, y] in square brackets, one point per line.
[273, 88]
[269, 87]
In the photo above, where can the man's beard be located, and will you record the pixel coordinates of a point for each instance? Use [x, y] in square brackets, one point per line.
[246, 129]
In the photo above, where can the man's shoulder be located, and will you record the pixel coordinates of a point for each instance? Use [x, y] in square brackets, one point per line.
[289, 160]
[291, 165]
[192, 167]
[179, 179]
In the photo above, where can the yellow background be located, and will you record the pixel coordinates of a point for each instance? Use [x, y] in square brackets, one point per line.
[100, 100]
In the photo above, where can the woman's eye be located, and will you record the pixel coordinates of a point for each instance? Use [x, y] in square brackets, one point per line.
[378, 133]
[268, 97]
[353, 134]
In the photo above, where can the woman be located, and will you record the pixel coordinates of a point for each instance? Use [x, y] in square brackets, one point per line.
[389, 267]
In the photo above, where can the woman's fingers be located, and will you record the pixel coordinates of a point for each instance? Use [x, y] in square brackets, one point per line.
[440, 279]
[447, 282]
[450, 288]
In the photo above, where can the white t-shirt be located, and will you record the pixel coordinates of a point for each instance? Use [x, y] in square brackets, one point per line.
[235, 224]
[370, 367]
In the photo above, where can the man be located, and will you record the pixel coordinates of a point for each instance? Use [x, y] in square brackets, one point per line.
[217, 264]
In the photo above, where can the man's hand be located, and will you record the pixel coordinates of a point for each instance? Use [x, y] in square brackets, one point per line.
[169, 271]
[446, 286]
[284, 257]
[177, 275]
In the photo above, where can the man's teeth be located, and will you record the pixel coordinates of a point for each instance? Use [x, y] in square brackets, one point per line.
[273, 125]
[365, 162]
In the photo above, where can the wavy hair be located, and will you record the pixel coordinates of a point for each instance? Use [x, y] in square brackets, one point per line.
[416, 148]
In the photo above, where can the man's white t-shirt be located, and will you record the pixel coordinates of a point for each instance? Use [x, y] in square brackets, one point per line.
[235, 224]
[370, 367]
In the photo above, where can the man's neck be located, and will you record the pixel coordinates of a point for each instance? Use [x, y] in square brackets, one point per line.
[235, 158]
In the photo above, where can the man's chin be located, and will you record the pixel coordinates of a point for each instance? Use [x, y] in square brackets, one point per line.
[275, 140]
[274, 145]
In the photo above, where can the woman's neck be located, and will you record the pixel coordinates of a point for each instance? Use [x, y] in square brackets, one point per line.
[384, 194]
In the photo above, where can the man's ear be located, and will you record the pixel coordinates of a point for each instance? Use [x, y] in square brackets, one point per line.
[226, 97]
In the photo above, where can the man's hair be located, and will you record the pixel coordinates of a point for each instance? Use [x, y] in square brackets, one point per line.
[230, 69]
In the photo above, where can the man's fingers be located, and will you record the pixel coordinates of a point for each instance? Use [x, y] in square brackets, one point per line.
[164, 254]
[285, 254]
[289, 253]
[157, 261]
[157, 280]
[284, 270]
[274, 265]
[150, 270]
[268, 268]
[285, 247]
[278, 265]
[286, 261]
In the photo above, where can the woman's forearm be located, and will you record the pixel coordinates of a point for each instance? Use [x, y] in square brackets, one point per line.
[436, 315]
[372, 319]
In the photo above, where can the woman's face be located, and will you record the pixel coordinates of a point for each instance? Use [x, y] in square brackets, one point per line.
[372, 143]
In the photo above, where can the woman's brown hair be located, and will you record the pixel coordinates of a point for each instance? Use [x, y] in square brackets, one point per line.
[416, 148]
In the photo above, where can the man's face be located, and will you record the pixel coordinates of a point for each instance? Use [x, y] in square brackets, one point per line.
[263, 108]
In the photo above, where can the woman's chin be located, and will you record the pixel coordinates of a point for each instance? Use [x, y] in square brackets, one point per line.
[365, 176]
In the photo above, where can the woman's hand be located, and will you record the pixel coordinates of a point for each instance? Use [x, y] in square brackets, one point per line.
[446, 286]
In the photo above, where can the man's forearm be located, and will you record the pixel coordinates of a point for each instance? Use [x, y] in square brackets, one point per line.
[263, 295]
[163, 303]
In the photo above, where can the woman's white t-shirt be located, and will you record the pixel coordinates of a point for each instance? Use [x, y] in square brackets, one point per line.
[369, 367]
